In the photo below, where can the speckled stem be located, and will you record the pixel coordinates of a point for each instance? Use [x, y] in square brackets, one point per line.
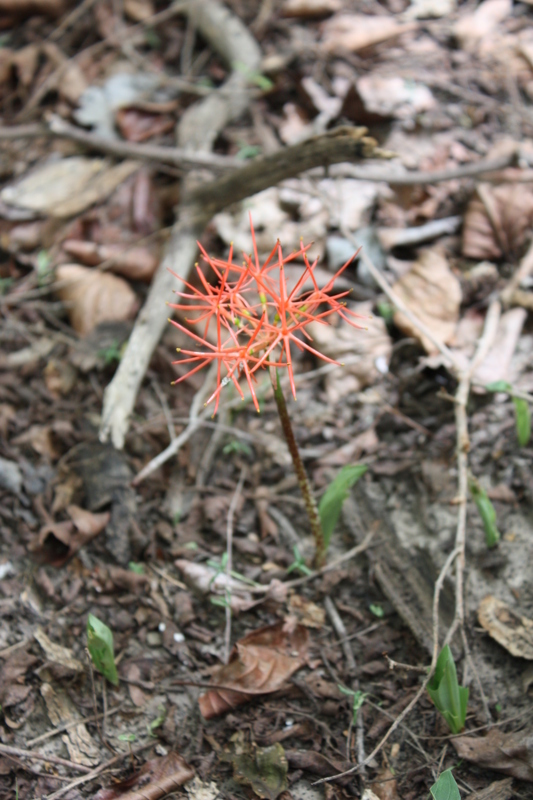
[301, 475]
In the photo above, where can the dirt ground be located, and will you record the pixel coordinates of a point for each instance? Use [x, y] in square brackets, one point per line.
[124, 126]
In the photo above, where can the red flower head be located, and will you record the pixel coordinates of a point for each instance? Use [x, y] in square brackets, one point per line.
[256, 316]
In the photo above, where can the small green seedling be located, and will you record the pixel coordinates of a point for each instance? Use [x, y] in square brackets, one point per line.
[100, 646]
[138, 569]
[445, 788]
[157, 722]
[521, 410]
[254, 76]
[299, 563]
[377, 610]
[358, 698]
[486, 512]
[330, 505]
[235, 446]
[449, 698]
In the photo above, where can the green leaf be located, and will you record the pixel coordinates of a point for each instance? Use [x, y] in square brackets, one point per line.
[449, 698]
[377, 610]
[100, 646]
[486, 512]
[138, 569]
[499, 386]
[445, 788]
[335, 495]
[523, 421]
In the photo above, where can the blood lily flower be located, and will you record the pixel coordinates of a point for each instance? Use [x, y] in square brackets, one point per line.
[256, 317]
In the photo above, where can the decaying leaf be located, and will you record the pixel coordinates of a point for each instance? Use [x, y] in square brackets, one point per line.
[510, 753]
[80, 745]
[13, 686]
[93, 297]
[433, 293]
[157, 778]
[263, 768]
[205, 579]
[67, 187]
[135, 263]
[57, 653]
[260, 663]
[511, 630]
[306, 612]
[57, 542]
[497, 222]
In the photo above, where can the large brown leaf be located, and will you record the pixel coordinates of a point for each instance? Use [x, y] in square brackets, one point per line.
[157, 778]
[260, 663]
[93, 297]
[510, 753]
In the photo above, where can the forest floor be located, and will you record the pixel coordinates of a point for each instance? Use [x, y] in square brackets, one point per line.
[324, 693]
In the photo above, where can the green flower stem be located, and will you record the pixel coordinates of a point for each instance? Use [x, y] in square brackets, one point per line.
[301, 475]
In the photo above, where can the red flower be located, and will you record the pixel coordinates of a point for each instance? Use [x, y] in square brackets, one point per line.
[256, 317]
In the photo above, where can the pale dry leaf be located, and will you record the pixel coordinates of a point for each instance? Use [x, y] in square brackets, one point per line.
[394, 96]
[507, 627]
[93, 297]
[67, 186]
[139, 10]
[510, 753]
[432, 292]
[306, 612]
[478, 26]
[260, 663]
[366, 352]
[80, 745]
[496, 365]
[356, 31]
[57, 653]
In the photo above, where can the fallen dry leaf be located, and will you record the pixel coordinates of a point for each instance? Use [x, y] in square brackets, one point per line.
[137, 125]
[357, 31]
[93, 297]
[135, 263]
[310, 8]
[28, 8]
[13, 688]
[433, 293]
[57, 542]
[510, 753]
[394, 96]
[498, 221]
[139, 10]
[111, 578]
[366, 352]
[157, 778]
[68, 186]
[385, 785]
[58, 654]
[483, 24]
[260, 663]
[306, 612]
[496, 364]
[507, 627]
